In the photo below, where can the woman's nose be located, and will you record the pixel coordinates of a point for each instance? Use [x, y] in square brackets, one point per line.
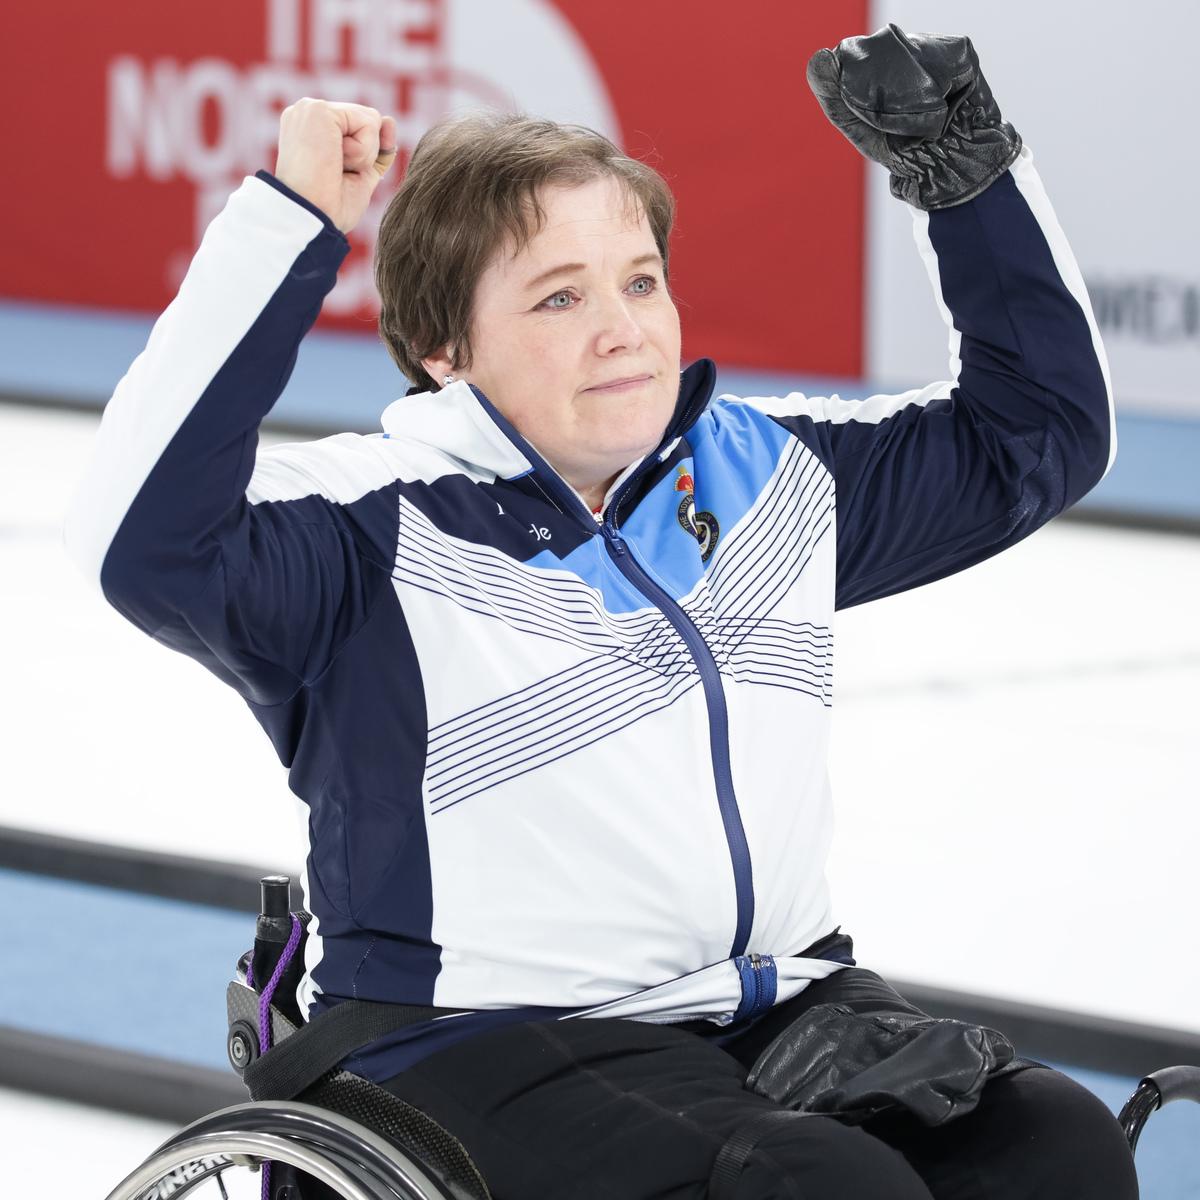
[618, 327]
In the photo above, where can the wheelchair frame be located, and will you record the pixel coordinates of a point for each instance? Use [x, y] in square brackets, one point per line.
[360, 1165]
[363, 1163]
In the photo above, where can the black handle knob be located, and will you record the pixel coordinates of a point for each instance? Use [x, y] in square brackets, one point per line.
[276, 895]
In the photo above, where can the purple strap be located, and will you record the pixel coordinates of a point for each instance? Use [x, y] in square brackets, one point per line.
[264, 1014]
[268, 993]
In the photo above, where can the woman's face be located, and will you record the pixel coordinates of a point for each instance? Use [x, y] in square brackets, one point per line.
[575, 338]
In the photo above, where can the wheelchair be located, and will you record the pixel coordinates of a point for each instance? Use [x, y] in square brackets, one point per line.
[345, 1137]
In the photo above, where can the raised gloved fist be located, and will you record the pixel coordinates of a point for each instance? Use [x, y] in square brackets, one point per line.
[918, 104]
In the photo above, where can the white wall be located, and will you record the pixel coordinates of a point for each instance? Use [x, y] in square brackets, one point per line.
[1104, 94]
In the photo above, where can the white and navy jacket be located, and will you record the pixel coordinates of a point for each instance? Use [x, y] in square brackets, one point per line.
[555, 767]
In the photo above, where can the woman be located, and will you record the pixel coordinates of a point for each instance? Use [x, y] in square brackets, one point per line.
[549, 658]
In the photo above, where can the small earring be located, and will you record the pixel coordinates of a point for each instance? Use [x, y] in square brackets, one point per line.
[447, 380]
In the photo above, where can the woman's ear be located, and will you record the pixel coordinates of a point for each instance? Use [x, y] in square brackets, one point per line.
[440, 365]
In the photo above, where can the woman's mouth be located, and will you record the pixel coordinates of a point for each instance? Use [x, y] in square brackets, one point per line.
[620, 385]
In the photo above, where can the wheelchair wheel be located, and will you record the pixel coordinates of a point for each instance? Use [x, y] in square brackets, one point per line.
[1160, 1087]
[221, 1155]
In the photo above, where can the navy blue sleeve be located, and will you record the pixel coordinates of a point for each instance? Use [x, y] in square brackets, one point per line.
[937, 479]
[258, 565]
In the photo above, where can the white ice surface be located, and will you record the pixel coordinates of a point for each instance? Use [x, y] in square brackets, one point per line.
[54, 1148]
[1015, 758]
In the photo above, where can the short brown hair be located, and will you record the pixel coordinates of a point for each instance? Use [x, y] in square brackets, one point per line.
[471, 187]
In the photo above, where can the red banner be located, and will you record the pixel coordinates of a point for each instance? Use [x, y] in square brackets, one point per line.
[125, 144]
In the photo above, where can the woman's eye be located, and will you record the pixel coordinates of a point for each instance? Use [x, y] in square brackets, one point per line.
[643, 285]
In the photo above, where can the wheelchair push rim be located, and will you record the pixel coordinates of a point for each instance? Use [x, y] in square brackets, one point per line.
[341, 1153]
[241, 1149]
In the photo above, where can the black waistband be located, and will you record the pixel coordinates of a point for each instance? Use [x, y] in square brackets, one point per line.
[834, 947]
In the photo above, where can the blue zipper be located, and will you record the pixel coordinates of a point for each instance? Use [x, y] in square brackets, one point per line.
[718, 718]
[759, 984]
[710, 676]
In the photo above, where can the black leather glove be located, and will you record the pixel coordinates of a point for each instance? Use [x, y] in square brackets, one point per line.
[918, 104]
[862, 1050]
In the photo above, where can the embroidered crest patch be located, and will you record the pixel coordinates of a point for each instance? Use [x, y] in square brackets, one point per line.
[702, 526]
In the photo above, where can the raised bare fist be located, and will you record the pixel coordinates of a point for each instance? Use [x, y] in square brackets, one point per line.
[334, 155]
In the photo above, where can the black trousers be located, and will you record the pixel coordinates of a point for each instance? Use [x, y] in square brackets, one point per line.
[595, 1109]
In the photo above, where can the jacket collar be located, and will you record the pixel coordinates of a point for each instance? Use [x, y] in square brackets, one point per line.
[461, 421]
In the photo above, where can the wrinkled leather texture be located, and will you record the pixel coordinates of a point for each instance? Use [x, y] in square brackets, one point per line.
[865, 1051]
[918, 104]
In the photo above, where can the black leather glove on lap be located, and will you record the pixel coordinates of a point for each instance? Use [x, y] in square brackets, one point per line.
[862, 1050]
[918, 104]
